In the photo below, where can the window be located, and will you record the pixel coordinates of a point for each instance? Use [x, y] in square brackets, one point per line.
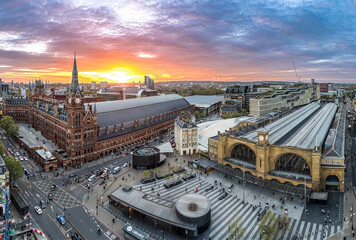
[338, 163]
[332, 162]
[326, 162]
[88, 121]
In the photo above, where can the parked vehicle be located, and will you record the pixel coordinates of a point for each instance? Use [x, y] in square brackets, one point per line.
[104, 175]
[125, 165]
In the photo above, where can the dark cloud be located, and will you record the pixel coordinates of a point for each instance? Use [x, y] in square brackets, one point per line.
[228, 37]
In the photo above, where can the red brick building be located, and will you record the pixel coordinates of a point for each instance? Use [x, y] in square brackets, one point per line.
[85, 132]
[324, 87]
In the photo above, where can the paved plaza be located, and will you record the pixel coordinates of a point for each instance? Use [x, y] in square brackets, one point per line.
[223, 211]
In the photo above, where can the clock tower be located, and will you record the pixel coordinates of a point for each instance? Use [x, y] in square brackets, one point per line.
[262, 165]
[263, 138]
[75, 118]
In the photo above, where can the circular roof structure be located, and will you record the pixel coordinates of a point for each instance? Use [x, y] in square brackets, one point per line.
[193, 205]
[146, 151]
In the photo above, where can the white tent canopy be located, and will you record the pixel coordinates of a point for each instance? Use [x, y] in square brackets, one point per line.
[211, 128]
[165, 148]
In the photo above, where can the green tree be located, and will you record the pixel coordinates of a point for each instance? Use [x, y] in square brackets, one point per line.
[283, 224]
[244, 111]
[268, 226]
[146, 174]
[2, 148]
[236, 230]
[8, 124]
[14, 167]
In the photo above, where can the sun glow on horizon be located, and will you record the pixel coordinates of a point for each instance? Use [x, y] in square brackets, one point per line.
[118, 76]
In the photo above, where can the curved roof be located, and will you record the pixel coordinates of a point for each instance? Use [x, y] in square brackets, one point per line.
[124, 111]
[211, 128]
[201, 202]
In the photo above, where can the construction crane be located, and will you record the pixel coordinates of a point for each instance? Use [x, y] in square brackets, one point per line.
[296, 74]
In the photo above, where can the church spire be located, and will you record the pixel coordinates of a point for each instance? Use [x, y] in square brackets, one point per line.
[74, 86]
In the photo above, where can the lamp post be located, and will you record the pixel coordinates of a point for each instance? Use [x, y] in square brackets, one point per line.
[243, 183]
[305, 198]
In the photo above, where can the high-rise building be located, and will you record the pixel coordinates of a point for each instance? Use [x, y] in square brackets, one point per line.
[104, 85]
[149, 83]
[93, 85]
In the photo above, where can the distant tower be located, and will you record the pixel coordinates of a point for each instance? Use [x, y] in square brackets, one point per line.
[149, 83]
[74, 86]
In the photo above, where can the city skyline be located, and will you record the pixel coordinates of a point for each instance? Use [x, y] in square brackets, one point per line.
[119, 41]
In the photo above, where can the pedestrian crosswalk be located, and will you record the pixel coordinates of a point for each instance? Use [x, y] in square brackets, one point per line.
[231, 208]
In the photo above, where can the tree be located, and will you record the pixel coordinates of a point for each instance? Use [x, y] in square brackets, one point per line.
[268, 226]
[283, 223]
[146, 174]
[14, 167]
[8, 124]
[2, 149]
[244, 111]
[236, 231]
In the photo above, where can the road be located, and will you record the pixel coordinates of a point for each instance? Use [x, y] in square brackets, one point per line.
[67, 197]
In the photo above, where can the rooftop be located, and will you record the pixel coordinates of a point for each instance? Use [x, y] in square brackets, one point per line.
[314, 131]
[204, 101]
[33, 138]
[151, 206]
[335, 141]
[146, 151]
[285, 126]
[305, 128]
[126, 111]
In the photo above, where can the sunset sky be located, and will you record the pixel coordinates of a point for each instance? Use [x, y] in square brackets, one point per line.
[121, 41]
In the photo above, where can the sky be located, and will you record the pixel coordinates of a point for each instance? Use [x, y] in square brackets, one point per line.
[122, 40]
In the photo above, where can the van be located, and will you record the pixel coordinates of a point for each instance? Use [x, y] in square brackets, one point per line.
[91, 178]
[116, 170]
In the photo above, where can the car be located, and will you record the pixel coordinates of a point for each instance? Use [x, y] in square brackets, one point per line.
[27, 173]
[91, 178]
[209, 188]
[38, 210]
[104, 175]
[15, 188]
[73, 175]
[116, 170]
[17, 154]
[25, 158]
[99, 172]
[43, 141]
[50, 196]
[223, 196]
[53, 187]
[21, 159]
[61, 220]
[125, 165]
[42, 204]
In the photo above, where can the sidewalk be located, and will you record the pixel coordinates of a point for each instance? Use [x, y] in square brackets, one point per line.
[350, 199]
[112, 185]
